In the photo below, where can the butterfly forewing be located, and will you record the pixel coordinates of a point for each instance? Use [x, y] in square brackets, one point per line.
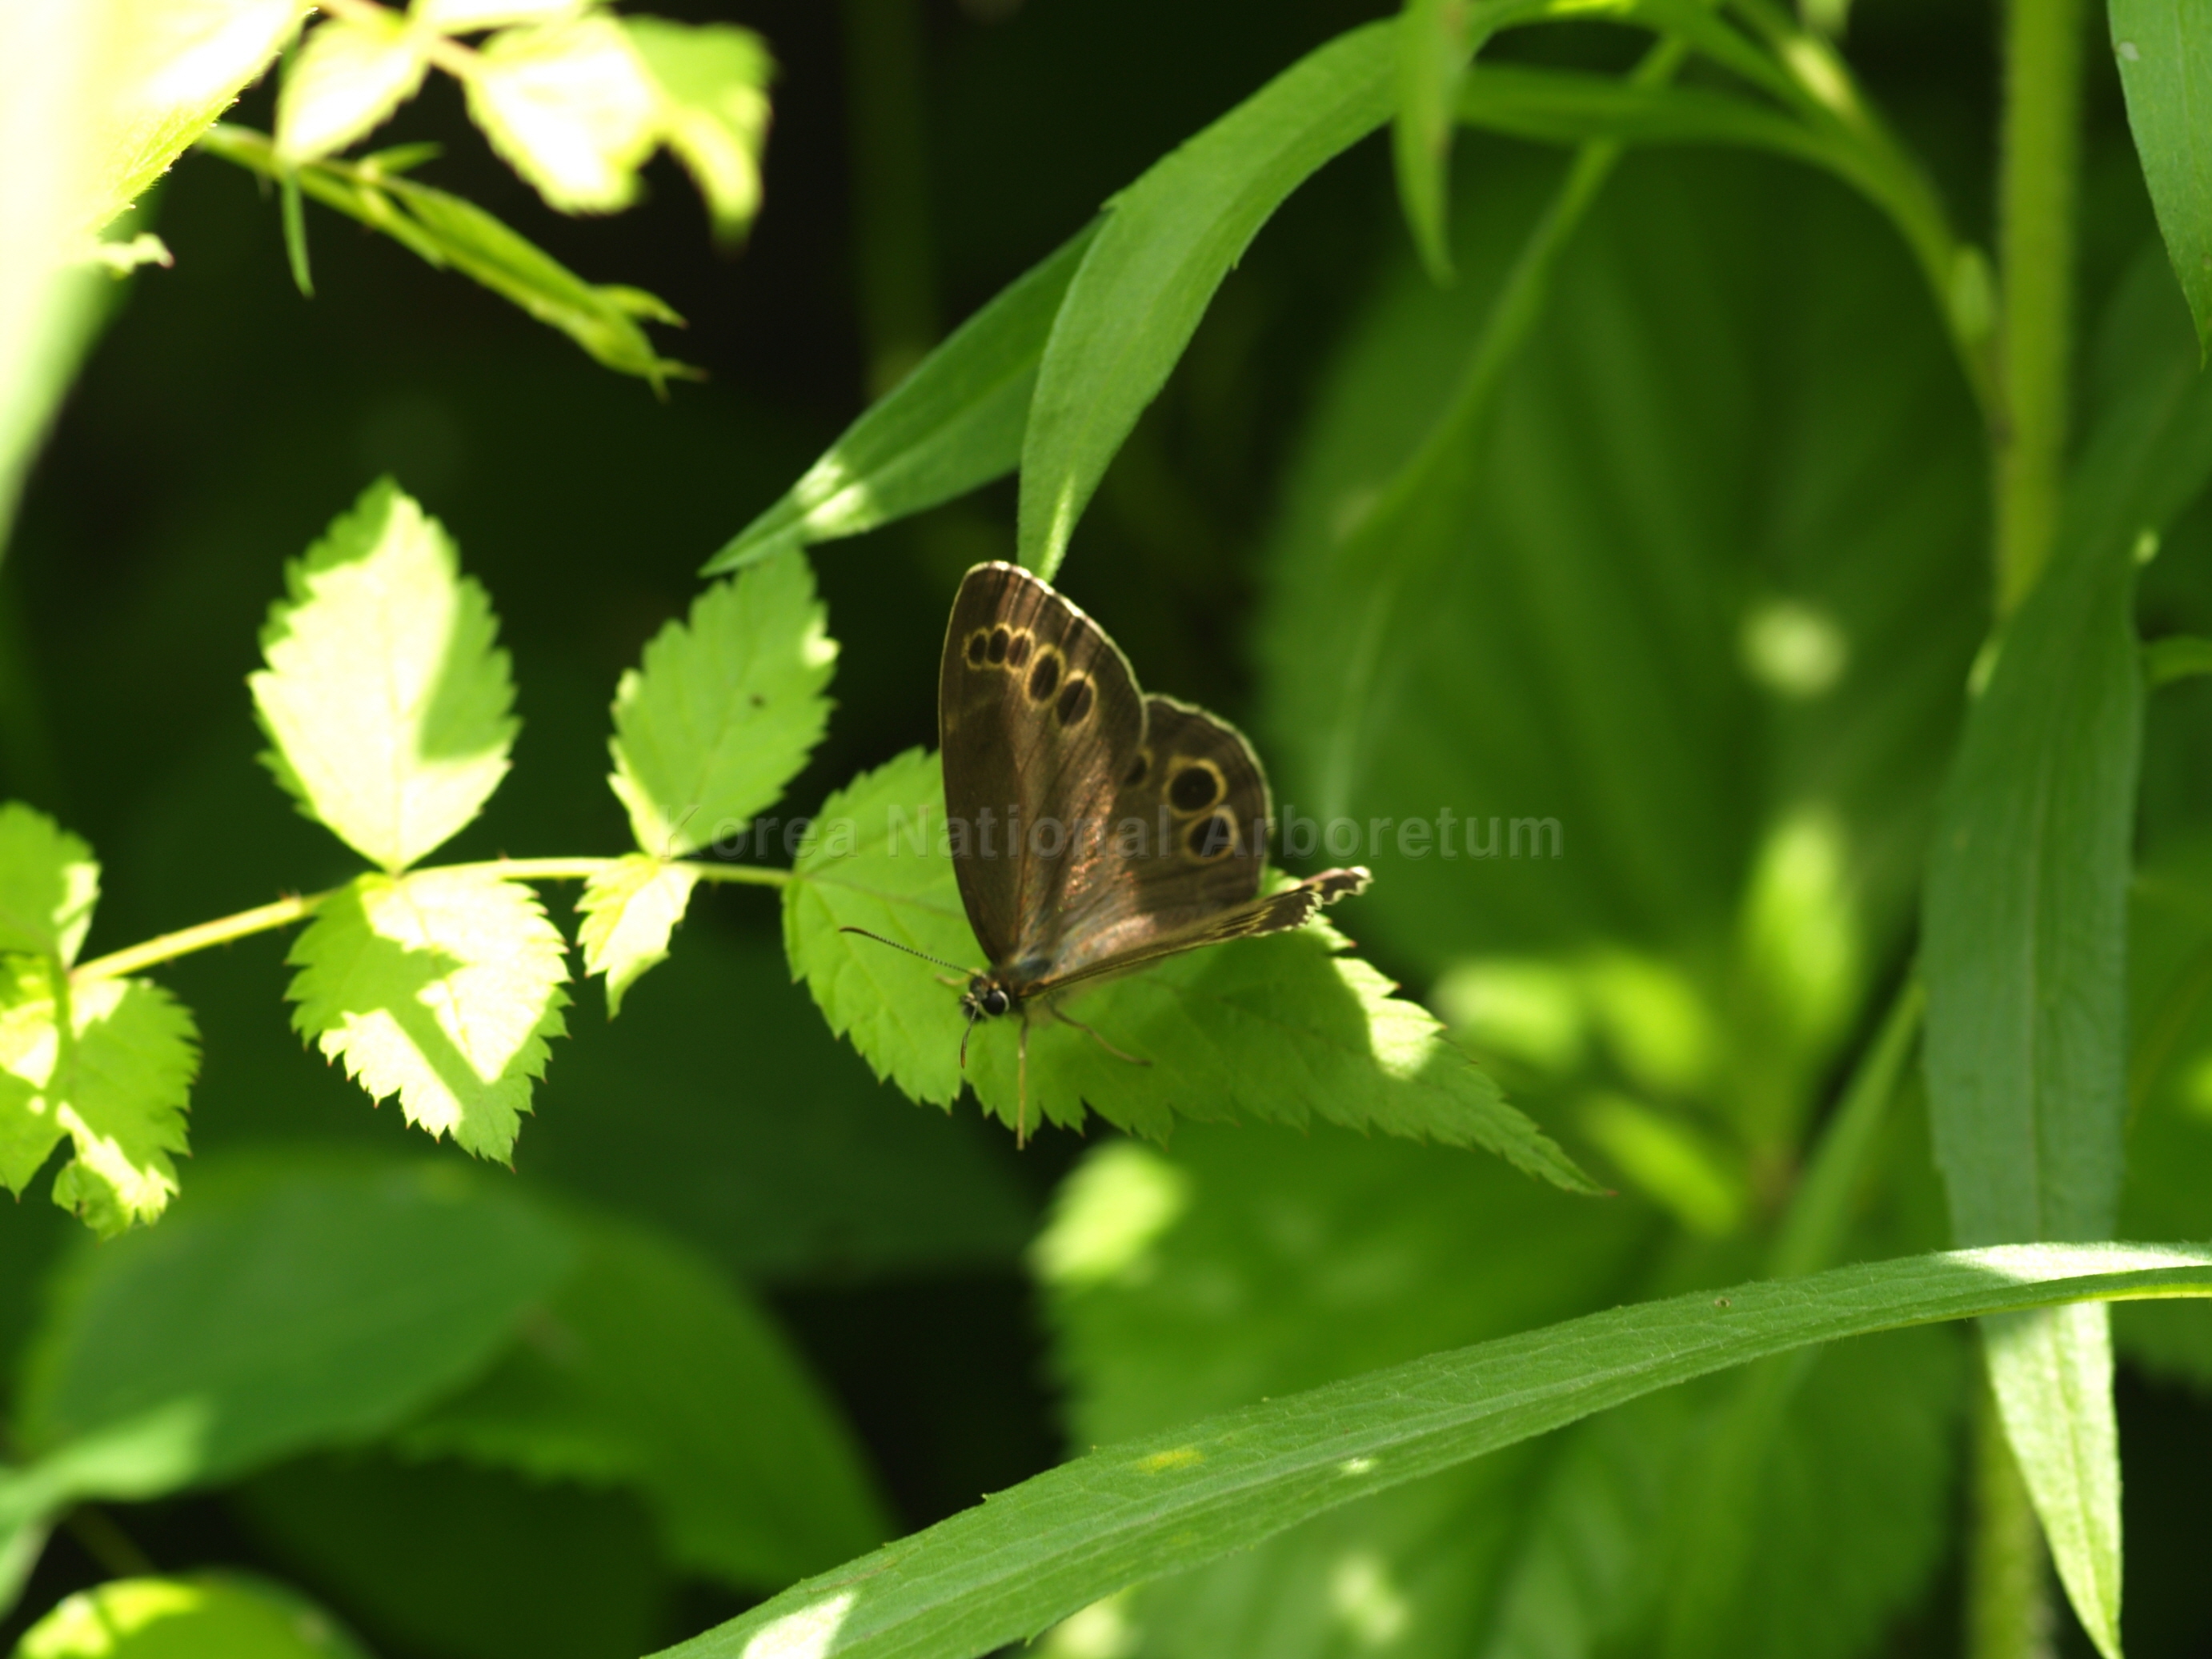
[1040, 720]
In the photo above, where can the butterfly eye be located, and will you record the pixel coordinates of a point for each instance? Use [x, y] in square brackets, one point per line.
[1211, 837]
[996, 1002]
[1044, 678]
[1195, 788]
[1074, 701]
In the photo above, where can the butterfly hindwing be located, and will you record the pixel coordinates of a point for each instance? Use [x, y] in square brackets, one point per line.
[1039, 718]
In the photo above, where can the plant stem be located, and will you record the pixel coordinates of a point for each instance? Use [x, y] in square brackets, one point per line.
[2008, 1611]
[263, 918]
[2039, 156]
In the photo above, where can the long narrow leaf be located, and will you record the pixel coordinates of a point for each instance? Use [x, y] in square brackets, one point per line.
[2164, 48]
[952, 426]
[1004, 1570]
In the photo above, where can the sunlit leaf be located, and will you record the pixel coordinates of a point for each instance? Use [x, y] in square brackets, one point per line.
[211, 1616]
[629, 908]
[49, 883]
[348, 77]
[713, 80]
[1285, 1029]
[650, 1369]
[1169, 1501]
[385, 695]
[441, 988]
[461, 16]
[571, 106]
[724, 710]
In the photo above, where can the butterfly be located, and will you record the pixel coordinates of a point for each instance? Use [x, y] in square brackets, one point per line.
[1093, 830]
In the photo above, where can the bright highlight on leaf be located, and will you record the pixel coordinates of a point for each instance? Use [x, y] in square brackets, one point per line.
[572, 107]
[48, 885]
[724, 708]
[1282, 1029]
[629, 909]
[713, 80]
[460, 16]
[202, 1617]
[114, 1079]
[385, 695]
[348, 78]
[441, 988]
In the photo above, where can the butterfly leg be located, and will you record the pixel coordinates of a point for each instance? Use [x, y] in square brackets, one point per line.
[1091, 1032]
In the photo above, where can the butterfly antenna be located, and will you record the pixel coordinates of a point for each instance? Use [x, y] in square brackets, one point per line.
[908, 949]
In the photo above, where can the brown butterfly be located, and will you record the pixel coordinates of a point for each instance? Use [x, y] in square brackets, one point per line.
[1093, 830]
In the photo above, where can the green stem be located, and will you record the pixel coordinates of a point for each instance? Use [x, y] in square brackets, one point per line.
[266, 918]
[2039, 156]
[2008, 1610]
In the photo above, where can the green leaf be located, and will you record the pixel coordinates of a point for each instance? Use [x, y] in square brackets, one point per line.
[2025, 926]
[112, 1074]
[724, 710]
[951, 426]
[572, 107]
[1168, 241]
[629, 909]
[1433, 50]
[444, 230]
[2176, 656]
[385, 695]
[2164, 49]
[291, 1307]
[202, 1616]
[1282, 1029]
[49, 883]
[713, 80]
[1166, 1502]
[650, 1369]
[462, 16]
[442, 988]
[346, 80]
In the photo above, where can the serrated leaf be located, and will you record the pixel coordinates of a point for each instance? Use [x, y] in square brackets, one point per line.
[651, 1369]
[115, 1082]
[571, 106]
[724, 710]
[348, 77]
[951, 426]
[49, 883]
[713, 80]
[1037, 1552]
[202, 1616]
[629, 909]
[442, 988]
[2164, 51]
[385, 695]
[289, 1305]
[1285, 1029]
[463, 17]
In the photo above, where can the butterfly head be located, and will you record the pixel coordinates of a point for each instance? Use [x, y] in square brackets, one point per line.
[985, 999]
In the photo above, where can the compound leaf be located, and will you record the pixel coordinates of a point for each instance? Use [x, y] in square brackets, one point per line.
[573, 108]
[629, 909]
[349, 77]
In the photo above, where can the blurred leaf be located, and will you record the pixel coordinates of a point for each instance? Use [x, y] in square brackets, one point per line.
[115, 1082]
[1433, 49]
[206, 1616]
[442, 988]
[724, 710]
[952, 425]
[2164, 48]
[450, 1562]
[652, 1370]
[49, 883]
[461, 16]
[1283, 1028]
[387, 699]
[2026, 939]
[348, 78]
[301, 1306]
[571, 106]
[444, 230]
[1168, 241]
[1170, 1501]
[1718, 560]
[2176, 656]
[629, 908]
[713, 80]
[762, 1140]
